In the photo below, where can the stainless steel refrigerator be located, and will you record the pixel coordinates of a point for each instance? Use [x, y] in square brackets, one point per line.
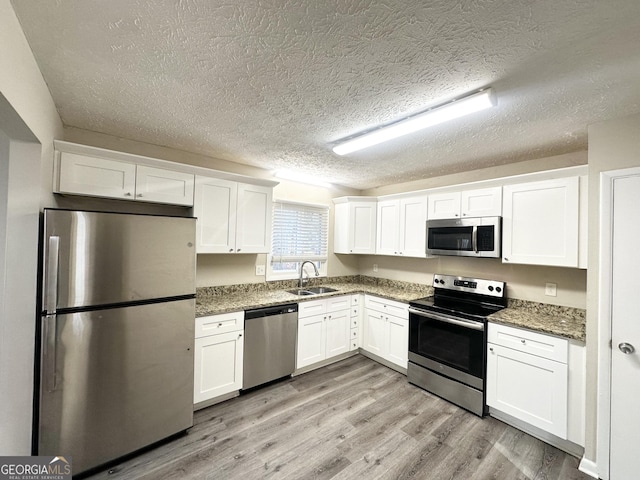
[116, 333]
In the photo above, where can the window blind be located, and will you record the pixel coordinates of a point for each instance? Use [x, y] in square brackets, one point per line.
[300, 232]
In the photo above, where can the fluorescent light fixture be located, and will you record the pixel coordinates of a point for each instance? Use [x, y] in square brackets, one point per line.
[301, 177]
[440, 114]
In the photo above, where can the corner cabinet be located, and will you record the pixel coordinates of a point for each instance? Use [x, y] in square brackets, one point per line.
[100, 177]
[218, 357]
[355, 225]
[232, 217]
[537, 379]
[541, 223]
[401, 226]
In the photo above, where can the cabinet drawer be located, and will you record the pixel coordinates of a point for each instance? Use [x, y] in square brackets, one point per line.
[215, 324]
[314, 307]
[541, 345]
[356, 299]
[355, 322]
[354, 333]
[335, 304]
[355, 311]
[390, 307]
[354, 345]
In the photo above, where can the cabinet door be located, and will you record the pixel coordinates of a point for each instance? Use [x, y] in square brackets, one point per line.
[413, 227]
[362, 230]
[482, 202]
[540, 223]
[253, 219]
[530, 388]
[84, 175]
[311, 340]
[215, 209]
[217, 365]
[398, 340]
[164, 186]
[444, 205]
[388, 227]
[375, 333]
[338, 333]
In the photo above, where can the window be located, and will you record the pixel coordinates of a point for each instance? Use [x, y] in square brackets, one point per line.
[300, 232]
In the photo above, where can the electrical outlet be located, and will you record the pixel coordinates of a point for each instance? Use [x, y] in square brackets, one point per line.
[259, 269]
[550, 289]
[375, 267]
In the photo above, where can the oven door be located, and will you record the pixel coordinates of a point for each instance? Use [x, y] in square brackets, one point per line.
[452, 346]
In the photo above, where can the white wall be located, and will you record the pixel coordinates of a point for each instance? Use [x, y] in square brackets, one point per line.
[613, 144]
[29, 123]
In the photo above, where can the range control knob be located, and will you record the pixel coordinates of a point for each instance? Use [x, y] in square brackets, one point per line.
[498, 289]
[491, 288]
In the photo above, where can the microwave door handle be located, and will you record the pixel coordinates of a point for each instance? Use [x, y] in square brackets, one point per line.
[443, 318]
[474, 238]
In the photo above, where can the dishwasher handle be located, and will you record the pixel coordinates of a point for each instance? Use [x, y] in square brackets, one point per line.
[269, 311]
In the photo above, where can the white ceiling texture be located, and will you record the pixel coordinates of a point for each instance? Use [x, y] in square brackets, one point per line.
[275, 83]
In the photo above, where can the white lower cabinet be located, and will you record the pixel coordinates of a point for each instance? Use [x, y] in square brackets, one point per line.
[324, 330]
[528, 378]
[218, 356]
[386, 330]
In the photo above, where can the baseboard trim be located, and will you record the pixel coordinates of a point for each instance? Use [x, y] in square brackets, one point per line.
[589, 467]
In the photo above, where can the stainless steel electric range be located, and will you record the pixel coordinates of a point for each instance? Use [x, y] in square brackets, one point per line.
[448, 339]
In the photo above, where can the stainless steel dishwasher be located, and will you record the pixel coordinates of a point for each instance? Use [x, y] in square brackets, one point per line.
[269, 344]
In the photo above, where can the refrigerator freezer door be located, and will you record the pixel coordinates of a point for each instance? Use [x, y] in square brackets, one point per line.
[123, 380]
[111, 258]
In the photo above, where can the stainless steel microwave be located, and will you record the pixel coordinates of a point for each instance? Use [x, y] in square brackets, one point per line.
[465, 237]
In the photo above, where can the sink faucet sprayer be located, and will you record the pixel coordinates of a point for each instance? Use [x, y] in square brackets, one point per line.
[300, 285]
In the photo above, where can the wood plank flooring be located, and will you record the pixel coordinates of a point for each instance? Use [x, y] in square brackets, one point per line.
[353, 419]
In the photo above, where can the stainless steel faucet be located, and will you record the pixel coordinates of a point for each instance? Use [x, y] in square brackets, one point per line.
[300, 281]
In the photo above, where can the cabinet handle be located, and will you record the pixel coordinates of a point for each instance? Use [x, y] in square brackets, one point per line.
[239, 335]
[219, 325]
[231, 249]
[523, 341]
[506, 259]
[464, 214]
[491, 349]
[139, 195]
[128, 194]
[239, 249]
[626, 348]
[456, 214]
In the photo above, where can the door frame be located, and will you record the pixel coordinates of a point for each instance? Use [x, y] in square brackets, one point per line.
[605, 295]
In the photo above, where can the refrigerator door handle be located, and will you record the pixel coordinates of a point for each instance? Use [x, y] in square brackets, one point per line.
[50, 336]
[51, 292]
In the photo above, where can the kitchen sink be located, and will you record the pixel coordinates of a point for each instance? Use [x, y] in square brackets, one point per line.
[312, 291]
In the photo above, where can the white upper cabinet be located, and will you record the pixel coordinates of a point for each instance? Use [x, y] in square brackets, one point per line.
[541, 223]
[101, 177]
[232, 217]
[401, 226]
[164, 186]
[355, 225]
[482, 202]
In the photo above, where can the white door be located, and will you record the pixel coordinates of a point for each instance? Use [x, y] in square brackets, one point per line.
[387, 225]
[444, 205]
[363, 227]
[311, 340]
[253, 224]
[215, 208]
[625, 330]
[413, 227]
[217, 365]
[338, 333]
[164, 186]
[398, 346]
[84, 175]
[375, 333]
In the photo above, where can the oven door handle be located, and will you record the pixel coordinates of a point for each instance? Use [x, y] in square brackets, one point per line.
[444, 318]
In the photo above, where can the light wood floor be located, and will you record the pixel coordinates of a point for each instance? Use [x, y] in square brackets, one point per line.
[353, 419]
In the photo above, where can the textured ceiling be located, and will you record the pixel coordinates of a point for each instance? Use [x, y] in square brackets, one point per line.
[273, 83]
